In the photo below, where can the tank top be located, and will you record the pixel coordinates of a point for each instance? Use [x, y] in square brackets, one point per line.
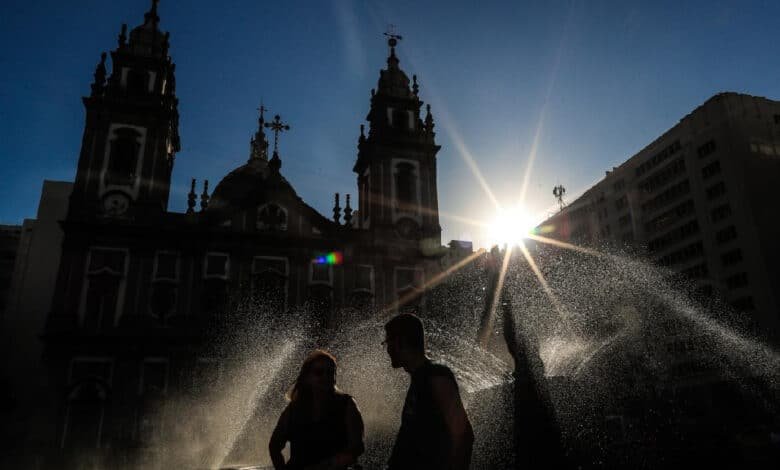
[312, 441]
[422, 442]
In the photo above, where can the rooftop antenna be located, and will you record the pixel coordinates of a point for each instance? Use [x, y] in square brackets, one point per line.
[558, 192]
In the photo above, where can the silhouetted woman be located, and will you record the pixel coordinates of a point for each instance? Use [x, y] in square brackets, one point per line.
[322, 424]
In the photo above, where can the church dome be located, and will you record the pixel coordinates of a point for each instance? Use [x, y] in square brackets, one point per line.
[248, 185]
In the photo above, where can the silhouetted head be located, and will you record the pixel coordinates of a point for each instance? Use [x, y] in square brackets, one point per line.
[317, 376]
[405, 339]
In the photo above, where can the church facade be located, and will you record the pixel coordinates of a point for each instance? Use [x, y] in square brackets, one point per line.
[137, 284]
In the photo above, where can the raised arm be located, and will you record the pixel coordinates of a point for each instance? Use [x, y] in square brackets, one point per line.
[279, 439]
[461, 436]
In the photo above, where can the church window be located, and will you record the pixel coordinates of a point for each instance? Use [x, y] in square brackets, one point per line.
[410, 119]
[136, 82]
[269, 281]
[89, 381]
[400, 119]
[272, 218]
[217, 265]
[390, 116]
[164, 292]
[406, 185]
[105, 279]
[364, 277]
[215, 287]
[123, 158]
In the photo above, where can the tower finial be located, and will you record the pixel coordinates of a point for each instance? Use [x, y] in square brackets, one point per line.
[100, 76]
[152, 13]
[392, 41]
[258, 146]
[347, 214]
[362, 137]
[122, 40]
[415, 86]
[428, 119]
[204, 197]
[336, 210]
[191, 198]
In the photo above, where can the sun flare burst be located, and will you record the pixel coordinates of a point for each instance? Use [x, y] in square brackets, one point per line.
[510, 227]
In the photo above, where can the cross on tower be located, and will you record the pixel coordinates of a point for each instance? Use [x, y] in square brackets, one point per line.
[277, 126]
[392, 37]
[262, 110]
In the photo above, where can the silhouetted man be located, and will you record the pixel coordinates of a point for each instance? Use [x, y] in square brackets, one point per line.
[435, 430]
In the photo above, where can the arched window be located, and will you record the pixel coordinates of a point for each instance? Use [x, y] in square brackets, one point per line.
[123, 158]
[105, 278]
[272, 218]
[406, 185]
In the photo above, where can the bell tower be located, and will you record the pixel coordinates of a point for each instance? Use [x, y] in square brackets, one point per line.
[131, 133]
[396, 163]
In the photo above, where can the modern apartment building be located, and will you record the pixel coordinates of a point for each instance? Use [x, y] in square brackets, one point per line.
[699, 200]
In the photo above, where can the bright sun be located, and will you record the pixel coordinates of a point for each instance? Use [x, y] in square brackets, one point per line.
[509, 227]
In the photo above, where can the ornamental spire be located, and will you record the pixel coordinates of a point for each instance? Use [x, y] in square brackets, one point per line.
[258, 146]
[392, 41]
[151, 15]
[100, 76]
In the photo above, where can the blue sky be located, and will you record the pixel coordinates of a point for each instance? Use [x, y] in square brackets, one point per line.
[584, 83]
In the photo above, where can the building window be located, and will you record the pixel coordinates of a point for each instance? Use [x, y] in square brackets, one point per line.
[89, 382]
[711, 170]
[621, 203]
[104, 286]
[390, 116]
[619, 185]
[726, 235]
[216, 271]
[136, 82]
[736, 281]
[720, 212]
[272, 218]
[659, 158]
[706, 149]
[269, 281]
[689, 252]
[663, 176]
[716, 190]
[731, 257]
[670, 217]
[165, 281]
[680, 233]
[216, 266]
[124, 150]
[671, 194]
[364, 277]
[406, 186]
